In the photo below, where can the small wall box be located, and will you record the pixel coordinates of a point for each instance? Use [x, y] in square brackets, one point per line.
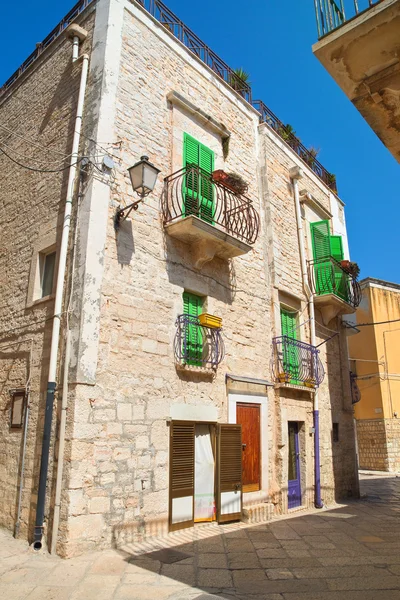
[210, 321]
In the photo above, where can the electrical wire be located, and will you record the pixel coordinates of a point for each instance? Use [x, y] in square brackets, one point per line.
[41, 170]
[19, 155]
[377, 323]
[29, 141]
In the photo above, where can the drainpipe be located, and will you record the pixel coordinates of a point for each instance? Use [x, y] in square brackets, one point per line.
[78, 34]
[296, 173]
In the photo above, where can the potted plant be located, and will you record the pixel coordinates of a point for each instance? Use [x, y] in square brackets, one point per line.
[311, 158]
[232, 181]
[239, 80]
[350, 267]
[286, 131]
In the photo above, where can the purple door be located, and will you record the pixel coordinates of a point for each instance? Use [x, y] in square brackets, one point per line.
[294, 487]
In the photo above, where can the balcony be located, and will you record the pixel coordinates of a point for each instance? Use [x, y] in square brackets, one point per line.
[207, 215]
[197, 345]
[337, 292]
[355, 390]
[358, 45]
[296, 364]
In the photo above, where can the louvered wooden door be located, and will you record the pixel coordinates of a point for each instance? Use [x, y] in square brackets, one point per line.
[229, 468]
[181, 480]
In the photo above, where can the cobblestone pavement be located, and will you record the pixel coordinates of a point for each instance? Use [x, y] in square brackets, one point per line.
[351, 552]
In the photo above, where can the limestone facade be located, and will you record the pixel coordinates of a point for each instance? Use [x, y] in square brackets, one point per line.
[124, 385]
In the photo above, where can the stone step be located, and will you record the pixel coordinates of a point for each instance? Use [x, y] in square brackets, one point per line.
[259, 513]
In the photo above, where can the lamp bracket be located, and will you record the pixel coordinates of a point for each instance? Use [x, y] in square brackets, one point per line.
[121, 215]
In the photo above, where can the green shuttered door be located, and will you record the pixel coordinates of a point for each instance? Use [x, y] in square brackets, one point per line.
[193, 306]
[198, 193]
[329, 277]
[291, 359]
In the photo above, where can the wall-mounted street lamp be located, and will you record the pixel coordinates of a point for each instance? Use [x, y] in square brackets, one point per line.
[143, 176]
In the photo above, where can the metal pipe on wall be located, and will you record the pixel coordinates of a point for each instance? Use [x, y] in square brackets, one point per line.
[78, 35]
[296, 173]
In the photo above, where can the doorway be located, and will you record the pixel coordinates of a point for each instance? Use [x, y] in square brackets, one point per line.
[294, 475]
[204, 473]
[249, 417]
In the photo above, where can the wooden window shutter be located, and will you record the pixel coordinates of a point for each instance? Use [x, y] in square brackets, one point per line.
[229, 469]
[336, 247]
[320, 238]
[199, 193]
[323, 269]
[181, 475]
[290, 352]
[340, 278]
[193, 306]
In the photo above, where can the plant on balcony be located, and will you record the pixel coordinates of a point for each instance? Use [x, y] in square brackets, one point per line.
[312, 156]
[286, 132]
[331, 179]
[232, 181]
[239, 80]
[350, 267]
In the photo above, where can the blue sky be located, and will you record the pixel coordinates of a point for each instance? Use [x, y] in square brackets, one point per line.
[272, 41]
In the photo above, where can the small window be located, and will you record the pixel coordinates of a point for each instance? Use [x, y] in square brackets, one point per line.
[335, 432]
[47, 267]
[17, 409]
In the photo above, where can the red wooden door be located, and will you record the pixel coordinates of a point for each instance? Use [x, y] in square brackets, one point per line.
[248, 416]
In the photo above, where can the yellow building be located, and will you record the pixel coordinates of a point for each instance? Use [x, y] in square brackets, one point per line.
[375, 360]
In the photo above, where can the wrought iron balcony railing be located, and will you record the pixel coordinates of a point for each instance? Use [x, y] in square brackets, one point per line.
[331, 15]
[192, 191]
[197, 345]
[327, 276]
[267, 116]
[296, 363]
[355, 390]
[171, 22]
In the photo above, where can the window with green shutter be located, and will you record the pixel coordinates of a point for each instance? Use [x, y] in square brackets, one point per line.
[193, 339]
[198, 192]
[329, 277]
[291, 358]
[341, 278]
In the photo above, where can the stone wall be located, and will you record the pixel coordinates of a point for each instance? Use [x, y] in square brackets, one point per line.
[118, 482]
[338, 469]
[378, 443]
[37, 122]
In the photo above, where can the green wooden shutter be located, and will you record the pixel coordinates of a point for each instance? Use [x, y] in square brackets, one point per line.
[321, 246]
[341, 278]
[291, 358]
[336, 247]
[198, 193]
[207, 191]
[193, 306]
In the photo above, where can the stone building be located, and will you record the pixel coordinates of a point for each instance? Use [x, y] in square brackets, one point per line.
[358, 44]
[375, 365]
[149, 389]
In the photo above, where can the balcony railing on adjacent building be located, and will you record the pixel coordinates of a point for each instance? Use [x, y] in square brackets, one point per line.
[331, 15]
[191, 191]
[296, 363]
[197, 345]
[327, 276]
[355, 390]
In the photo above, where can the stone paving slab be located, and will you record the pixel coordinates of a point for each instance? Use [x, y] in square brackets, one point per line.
[351, 552]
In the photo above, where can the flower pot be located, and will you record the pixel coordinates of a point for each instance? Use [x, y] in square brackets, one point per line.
[234, 183]
[210, 321]
[345, 264]
[282, 377]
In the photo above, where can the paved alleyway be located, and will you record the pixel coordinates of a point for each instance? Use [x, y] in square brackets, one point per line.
[349, 553]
